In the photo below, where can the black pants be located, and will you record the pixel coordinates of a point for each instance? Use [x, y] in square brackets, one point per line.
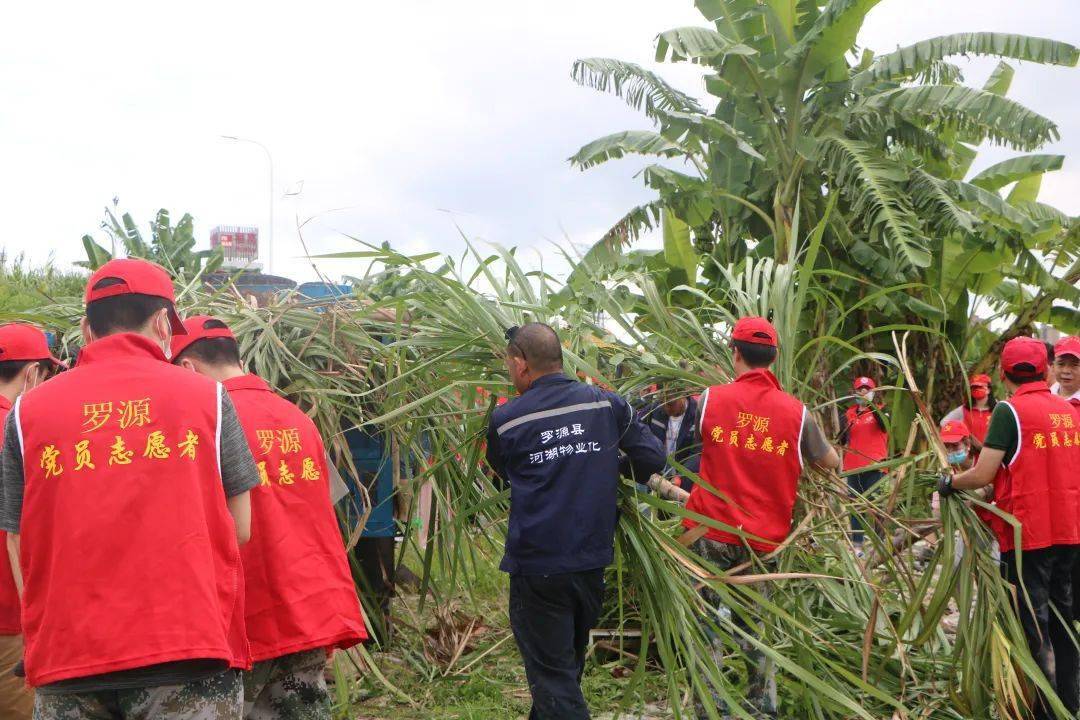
[861, 483]
[375, 556]
[551, 616]
[1048, 579]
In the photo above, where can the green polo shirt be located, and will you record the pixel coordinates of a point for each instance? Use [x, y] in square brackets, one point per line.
[1004, 431]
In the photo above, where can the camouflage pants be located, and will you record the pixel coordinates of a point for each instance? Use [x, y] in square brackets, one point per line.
[760, 671]
[216, 698]
[291, 687]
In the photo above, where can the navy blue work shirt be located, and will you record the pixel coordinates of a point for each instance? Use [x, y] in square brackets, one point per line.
[557, 445]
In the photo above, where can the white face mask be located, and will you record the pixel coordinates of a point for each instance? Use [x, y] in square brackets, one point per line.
[167, 349]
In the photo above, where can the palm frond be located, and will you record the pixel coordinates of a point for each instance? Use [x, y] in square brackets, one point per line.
[640, 88]
[975, 113]
[1014, 169]
[617, 145]
[872, 186]
[697, 44]
[911, 61]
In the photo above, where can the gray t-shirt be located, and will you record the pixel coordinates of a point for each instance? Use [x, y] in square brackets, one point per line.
[238, 475]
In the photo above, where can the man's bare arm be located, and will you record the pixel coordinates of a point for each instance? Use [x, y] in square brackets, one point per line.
[984, 472]
[240, 509]
[13, 556]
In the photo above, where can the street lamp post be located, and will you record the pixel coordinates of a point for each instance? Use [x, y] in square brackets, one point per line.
[270, 233]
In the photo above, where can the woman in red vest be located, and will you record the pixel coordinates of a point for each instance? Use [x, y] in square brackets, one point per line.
[755, 439]
[975, 412]
[300, 597]
[125, 495]
[864, 435]
[1032, 456]
[25, 361]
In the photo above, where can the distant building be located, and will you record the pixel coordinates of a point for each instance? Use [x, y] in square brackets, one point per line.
[239, 245]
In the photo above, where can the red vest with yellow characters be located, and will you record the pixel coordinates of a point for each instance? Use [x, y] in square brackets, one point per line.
[129, 553]
[750, 432]
[10, 623]
[1041, 485]
[300, 592]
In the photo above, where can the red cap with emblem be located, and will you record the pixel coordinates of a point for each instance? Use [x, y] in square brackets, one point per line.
[980, 381]
[1069, 345]
[865, 382]
[755, 330]
[1024, 357]
[25, 342]
[131, 276]
[196, 329]
[954, 431]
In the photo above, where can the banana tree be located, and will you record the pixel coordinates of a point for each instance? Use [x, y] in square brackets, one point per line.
[794, 117]
[171, 246]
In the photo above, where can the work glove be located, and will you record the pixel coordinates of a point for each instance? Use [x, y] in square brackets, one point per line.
[944, 485]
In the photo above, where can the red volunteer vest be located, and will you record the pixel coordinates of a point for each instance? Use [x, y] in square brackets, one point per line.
[1041, 486]
[867, 442]
[978, 422]
[129, 553]
[9, 594]
[750, 431]
[300, 593]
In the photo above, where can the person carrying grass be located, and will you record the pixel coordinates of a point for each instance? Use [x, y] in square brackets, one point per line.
[755, 440]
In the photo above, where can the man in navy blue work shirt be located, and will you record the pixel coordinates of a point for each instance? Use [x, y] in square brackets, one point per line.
[673, 421]
[557, 445]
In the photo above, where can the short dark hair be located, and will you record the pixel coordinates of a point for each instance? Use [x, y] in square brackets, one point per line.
[1027, 374]
[755, 355]
[213, 351]
[121, 313]
[1049, 350]
[537, 343]
[10, 369]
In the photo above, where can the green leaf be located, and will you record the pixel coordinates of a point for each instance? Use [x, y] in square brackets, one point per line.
[711, 128]
[968, 111]
[1000, 79]
[924, 310]
[872, 184]
[1026, 190]
[678, 249]
[96, 256]
[1065, 319]
[907, 62]
[786, 14]
[616, 145]
[991, 207]
[1015, 169]
[832, 35]
[699, 45]
[640, 88]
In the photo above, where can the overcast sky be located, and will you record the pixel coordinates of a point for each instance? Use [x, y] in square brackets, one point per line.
[402, 120]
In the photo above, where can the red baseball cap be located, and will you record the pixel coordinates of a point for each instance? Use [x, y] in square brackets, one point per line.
[1069, 345]
[979, 381]
[1024, 351]
[195, 329]
[864, 382]
[954, 431]
[25, 342]
[136, 277]
[755, 330]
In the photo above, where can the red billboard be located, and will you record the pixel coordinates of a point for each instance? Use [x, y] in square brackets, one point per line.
[238, 243]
